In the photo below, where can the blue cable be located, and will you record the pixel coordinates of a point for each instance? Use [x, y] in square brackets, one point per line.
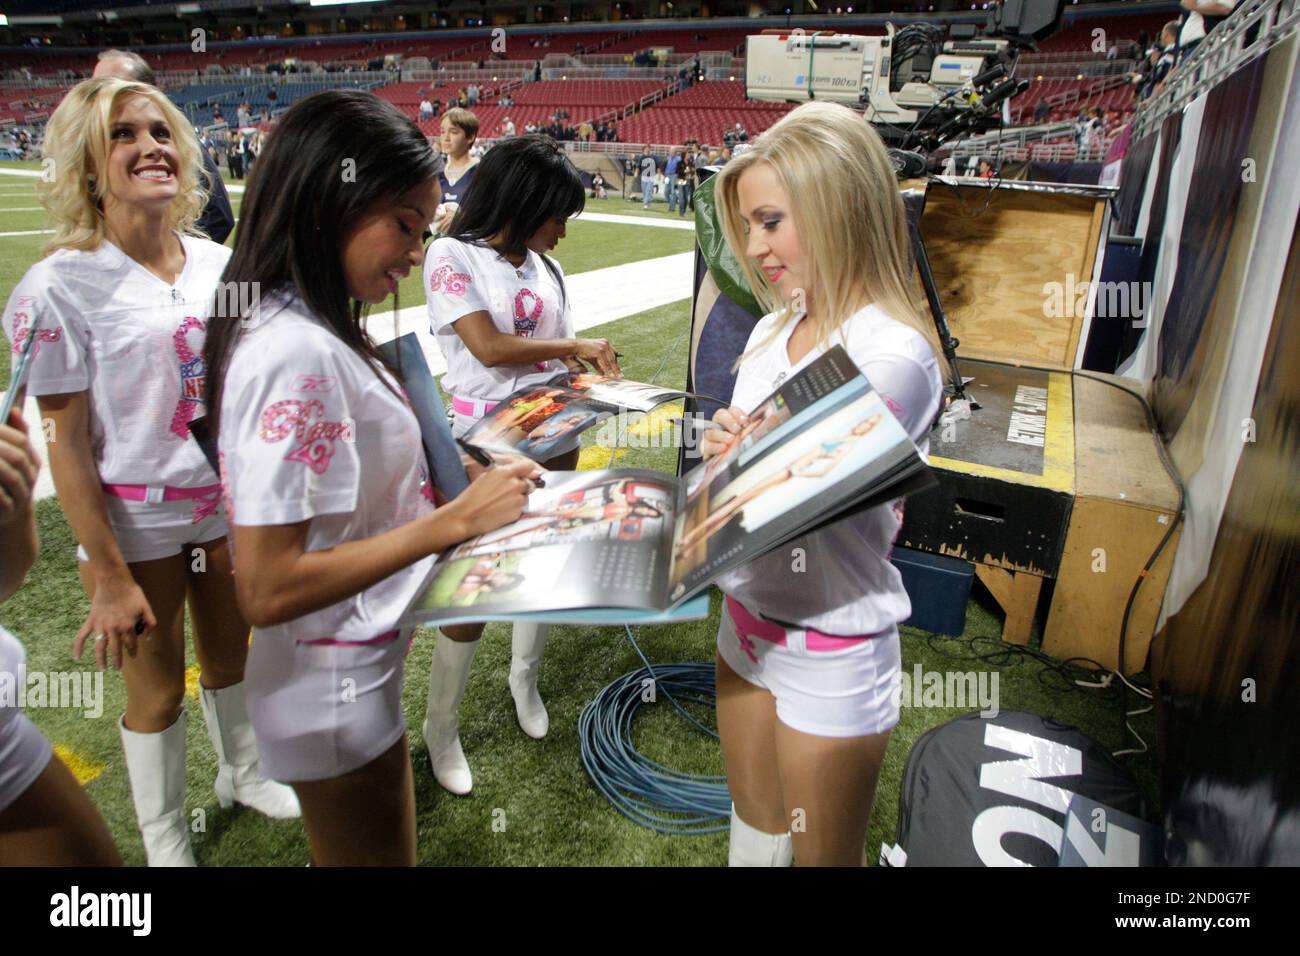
[645, 791]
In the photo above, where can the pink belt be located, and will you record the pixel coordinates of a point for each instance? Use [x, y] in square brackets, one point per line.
[472, 407]
[750, 625]
[335, 642]
[208, 496]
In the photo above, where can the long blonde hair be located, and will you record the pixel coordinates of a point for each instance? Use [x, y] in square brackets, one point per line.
[78, 140]
[848, 215]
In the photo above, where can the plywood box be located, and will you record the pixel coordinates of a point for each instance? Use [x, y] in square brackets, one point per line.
[994, 250]
[1125, 504]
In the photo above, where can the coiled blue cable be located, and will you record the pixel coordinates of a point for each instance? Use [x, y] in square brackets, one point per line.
[643, 790]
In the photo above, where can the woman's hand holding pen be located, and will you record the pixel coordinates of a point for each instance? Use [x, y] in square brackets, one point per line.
[497, 496]
[599, 353]
[727, 424]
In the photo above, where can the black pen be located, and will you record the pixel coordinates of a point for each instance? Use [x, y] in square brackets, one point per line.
[484, 459]
[478, 454]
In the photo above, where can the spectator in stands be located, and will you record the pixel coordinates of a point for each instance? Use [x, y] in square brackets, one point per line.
[507, 128]
[1081, 125]
[459, 131]
[472, 93]
[985, 170]
[613, 133]
[1041, 110]
[1203, 16]
[426, 111]
[670, 176]
[506, 100]
[648, 168]
[741, 134]
[218, 219]
[1167, 58]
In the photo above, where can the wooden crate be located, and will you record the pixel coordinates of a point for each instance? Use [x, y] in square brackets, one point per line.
[1125, 502]
[993, 250]
[1006, 475]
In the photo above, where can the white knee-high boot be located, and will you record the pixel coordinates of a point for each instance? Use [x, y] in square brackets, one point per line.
[527, 641]
[155, 765]
[753, 847]
[447, 679]
[238, 778]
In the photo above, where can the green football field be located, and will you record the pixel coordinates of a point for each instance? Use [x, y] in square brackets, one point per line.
[552, 814]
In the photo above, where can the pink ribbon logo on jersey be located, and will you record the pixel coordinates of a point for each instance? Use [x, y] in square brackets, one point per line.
[446, 279]
[526, 319]
[316, 439]
[193, 376]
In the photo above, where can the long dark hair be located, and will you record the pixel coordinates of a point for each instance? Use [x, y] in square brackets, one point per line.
[520, 184]
[333, 156]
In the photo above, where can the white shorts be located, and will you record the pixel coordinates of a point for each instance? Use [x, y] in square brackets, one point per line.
[24, 751]
[322, 710]
[838, 693]
[148, 532]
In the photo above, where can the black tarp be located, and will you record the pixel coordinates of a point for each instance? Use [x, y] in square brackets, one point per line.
[989, 791]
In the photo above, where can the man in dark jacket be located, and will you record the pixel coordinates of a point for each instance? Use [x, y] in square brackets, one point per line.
[218, 219]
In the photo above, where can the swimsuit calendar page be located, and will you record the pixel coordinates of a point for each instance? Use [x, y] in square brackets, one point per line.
[537, 419]
[641, 546]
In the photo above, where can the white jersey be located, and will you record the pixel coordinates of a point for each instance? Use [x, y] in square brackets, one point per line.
[461, 278]
[309, 432]
[848, 586]
[108, 325]
[1194, 26]
[13, 665]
